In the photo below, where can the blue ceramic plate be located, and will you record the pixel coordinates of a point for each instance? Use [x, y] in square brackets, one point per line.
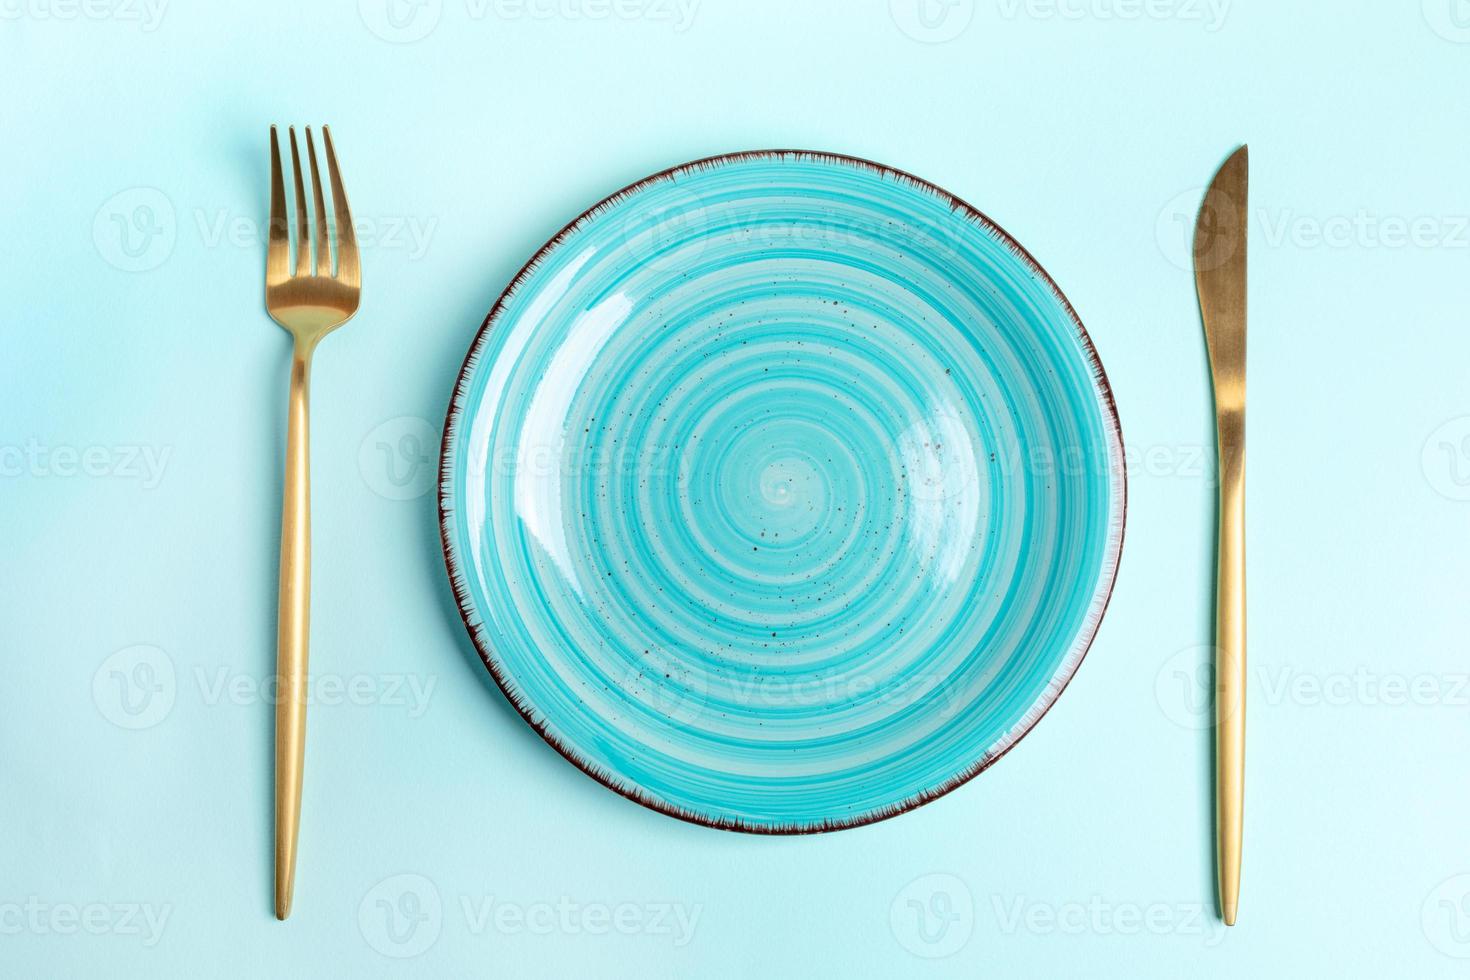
[782, 492]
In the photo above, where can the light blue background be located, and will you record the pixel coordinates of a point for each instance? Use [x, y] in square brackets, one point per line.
[1086, 128]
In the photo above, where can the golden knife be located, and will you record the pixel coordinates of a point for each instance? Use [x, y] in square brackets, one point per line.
[1219, 275]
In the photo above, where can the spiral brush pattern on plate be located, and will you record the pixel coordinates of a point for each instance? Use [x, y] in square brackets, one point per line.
[782, 492]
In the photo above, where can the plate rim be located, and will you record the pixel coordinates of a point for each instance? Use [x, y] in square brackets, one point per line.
[1117, 518]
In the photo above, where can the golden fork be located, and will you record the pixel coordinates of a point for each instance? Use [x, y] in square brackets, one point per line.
[310, 305]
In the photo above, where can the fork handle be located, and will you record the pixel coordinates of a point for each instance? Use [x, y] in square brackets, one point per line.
[293, 629]
[1230, 673]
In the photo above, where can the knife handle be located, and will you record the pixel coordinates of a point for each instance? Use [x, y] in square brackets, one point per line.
[1230, 673]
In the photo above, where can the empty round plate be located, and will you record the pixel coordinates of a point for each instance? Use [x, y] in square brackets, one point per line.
[782, 492]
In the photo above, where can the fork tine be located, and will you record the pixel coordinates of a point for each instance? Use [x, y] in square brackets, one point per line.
[323, 253]
[279, 249]
[303, 232]
[348, 269]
